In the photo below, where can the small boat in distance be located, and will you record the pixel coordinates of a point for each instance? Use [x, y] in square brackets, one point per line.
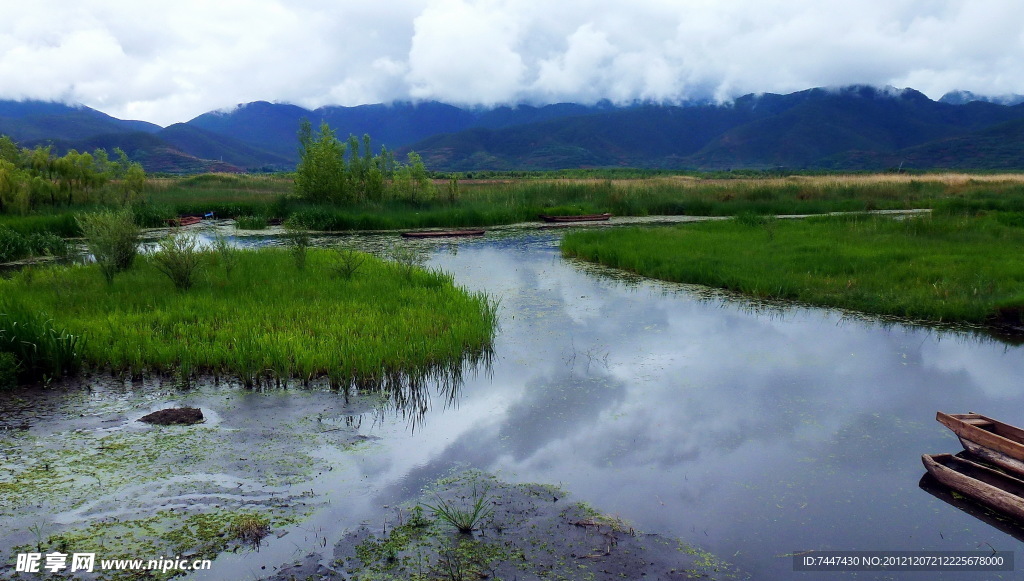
[184, 221]
[991, 440]
[442, 233]
[994, 489]
[580, 218]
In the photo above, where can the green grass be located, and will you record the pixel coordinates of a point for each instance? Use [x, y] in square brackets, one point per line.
[505, 198]
[943, 268]
[268, 321]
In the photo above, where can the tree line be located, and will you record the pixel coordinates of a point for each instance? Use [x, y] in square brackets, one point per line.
[334, 171]
[32, 178]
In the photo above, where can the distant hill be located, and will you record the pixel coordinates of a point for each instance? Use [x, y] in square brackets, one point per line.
[274, 127]
[212, 146]
[854, 128]
[1000, 147]
[964, 97]
[42, 120]
[804, 130]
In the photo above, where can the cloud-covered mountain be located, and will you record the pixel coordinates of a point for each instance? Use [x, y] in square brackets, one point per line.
[856, 127]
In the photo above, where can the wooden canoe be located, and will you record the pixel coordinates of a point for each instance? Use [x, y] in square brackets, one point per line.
[580, 218]
[994, 489]
[991, 440]
[185, 221]
[443, 233]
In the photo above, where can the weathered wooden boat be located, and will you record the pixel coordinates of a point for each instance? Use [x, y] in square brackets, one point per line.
[580, 218]
[442, 233]
[184, 221]
[994, 489]
[991, 440]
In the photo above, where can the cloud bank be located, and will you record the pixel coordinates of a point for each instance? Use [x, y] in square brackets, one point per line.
[168, 62]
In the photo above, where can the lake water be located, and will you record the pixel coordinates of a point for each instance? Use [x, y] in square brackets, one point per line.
[754, 431]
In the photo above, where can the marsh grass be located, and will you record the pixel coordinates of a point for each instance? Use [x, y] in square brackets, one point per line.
[227, 254]
[466, 516]
[268, 322]
[251, 223]
[516, 199]
[40, 350]
[952, 269]
[250, 529]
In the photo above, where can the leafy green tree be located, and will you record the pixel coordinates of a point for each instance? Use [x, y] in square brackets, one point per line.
[320, 175]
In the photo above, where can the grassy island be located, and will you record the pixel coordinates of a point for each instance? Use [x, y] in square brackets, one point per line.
[939, 268]
[267, 320]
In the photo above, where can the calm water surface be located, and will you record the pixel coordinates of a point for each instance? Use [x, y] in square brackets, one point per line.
[752, 431]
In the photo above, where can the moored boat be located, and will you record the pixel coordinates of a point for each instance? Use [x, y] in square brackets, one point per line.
[991, 440]
[442, 233]
[184, 221]
[994, 489]
[580, 218]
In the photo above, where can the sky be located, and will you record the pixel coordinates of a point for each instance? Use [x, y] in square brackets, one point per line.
[168, 62]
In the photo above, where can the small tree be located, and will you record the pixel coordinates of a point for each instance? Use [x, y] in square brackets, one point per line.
[347, 261]
[112, 238]
[178, 258]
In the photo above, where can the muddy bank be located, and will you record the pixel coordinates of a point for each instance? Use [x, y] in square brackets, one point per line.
[524, 532]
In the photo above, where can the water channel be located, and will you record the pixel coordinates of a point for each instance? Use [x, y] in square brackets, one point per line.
[754, 431]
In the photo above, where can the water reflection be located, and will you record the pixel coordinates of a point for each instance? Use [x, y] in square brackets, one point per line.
[753, 430]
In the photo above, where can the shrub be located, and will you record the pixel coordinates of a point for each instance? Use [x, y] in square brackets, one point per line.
[113, 240]
[178, 258]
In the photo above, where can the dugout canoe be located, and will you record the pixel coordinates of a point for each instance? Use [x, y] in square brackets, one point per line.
[443, 233]
[991, 440]
[994, 489]
[580, 218]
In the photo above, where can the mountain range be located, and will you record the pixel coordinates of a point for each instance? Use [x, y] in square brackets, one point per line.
[849, 128]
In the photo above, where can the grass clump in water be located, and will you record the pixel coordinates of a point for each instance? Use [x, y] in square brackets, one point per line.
[464, 518]
[269, 321]
[942, 268]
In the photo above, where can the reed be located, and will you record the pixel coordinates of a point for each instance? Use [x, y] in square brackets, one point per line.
[268, 322]
[959, 268]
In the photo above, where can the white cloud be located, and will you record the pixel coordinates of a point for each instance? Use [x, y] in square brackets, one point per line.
[168, 62]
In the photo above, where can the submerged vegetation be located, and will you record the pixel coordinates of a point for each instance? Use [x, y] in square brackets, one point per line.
[522, 532]
[943, 268]
[268, 322]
